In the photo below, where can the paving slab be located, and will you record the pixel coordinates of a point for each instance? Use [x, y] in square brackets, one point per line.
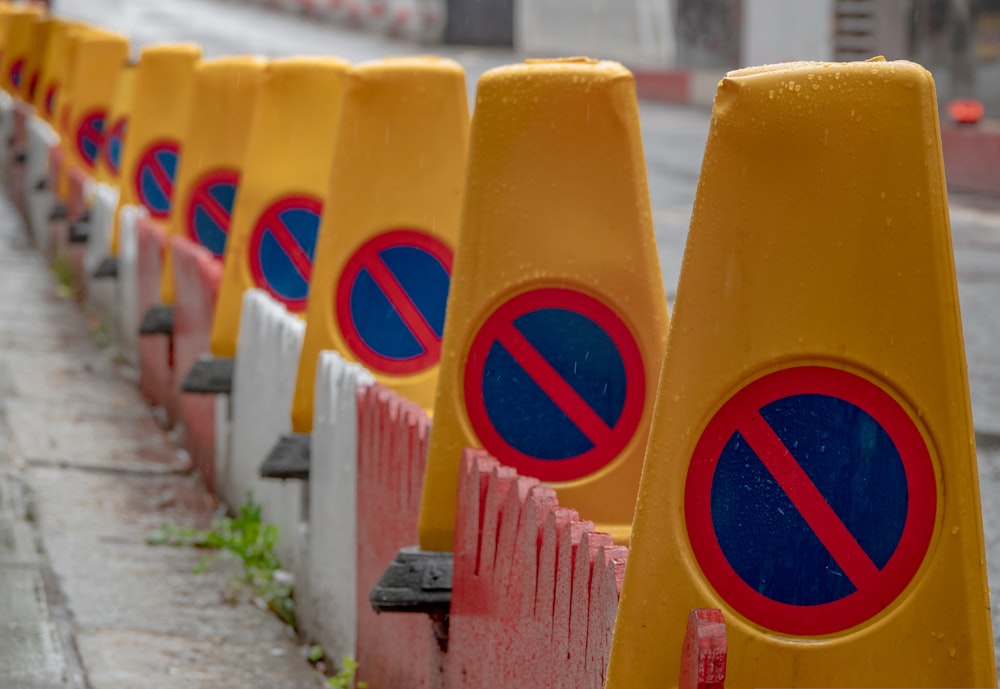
[127, 660]
[17, 544]
[30, 655]
[43, 433]
[88, 376]
[86, 475]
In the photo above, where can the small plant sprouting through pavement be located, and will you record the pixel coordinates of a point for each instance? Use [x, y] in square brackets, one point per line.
[64, 274]
[250, 541]
[346, 677]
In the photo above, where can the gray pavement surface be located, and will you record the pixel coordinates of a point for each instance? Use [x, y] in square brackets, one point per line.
[45, 352]
[86, 476]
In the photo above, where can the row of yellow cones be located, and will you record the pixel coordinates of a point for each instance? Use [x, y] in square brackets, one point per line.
[818, 264]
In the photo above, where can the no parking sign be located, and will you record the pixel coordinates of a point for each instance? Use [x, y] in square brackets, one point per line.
[113, 144]
[50, 99]
[391, 300]
[17, 73]
[33, 85]
[810, 500]
[90, 136]
[554, 384]
[282, 247]
[154, 177]
[210, 209]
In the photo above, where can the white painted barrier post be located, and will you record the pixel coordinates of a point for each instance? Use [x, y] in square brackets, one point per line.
[6, 130]
[329, 584]
[102, 293]
[40, 202]
[267, 360]
[128, 281]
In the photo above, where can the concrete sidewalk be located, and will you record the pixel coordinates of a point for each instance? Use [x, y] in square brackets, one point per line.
[86, 476]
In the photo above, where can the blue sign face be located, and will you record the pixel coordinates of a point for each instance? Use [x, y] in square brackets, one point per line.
[845, 454]
[554, 384]
[282, 248]
[391, 301]
[90, 136]
[17, 73]
[210, 210]
[113, 146]
[155, 175]
[810, 500]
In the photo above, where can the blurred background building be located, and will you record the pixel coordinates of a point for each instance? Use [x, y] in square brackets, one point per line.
[958, 40]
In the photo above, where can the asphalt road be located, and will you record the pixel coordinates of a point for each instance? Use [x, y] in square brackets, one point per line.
[674, 139]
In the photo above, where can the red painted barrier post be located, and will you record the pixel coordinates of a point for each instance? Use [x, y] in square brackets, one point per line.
[58, 223]
[156, 371]
[535, 589]
[393, 650]
[703, 658]
[76, 210]
[197, 274]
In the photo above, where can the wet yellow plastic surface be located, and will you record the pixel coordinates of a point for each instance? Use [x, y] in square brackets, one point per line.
[223, 101]
[158, 115]
[118, 111]
[53, 69]
[20, 21]
[98, 54]
[289, 155]
[819, 238]
[118, 117]
[556, 203]
[398, 167]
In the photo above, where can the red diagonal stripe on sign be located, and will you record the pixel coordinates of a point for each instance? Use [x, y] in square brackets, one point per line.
[161, 177]
[90, 129]
[404, 306]
[219, 215]
[809, 501]
[554, 385]
[300, 259]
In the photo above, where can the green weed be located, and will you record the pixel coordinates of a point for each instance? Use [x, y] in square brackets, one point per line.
[346, 678]
[249, 540]
[64, 274]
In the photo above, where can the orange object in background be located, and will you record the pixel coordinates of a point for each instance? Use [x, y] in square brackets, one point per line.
[966, 111]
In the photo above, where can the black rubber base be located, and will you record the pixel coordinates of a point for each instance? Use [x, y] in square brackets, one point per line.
[107, 269]
[59, 212]
[159, 320]
[289, 458]
[79, 233]
[210, 375]
[418, 581]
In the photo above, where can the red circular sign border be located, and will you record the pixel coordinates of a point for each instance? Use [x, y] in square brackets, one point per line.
[33, 86]
[212, 177]
[596, 458]
[87, 117]
[299, 201]
[117, 130]
[49, 101]
[17, 65]
[419, 239]
[147, 155]
[914, 543]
